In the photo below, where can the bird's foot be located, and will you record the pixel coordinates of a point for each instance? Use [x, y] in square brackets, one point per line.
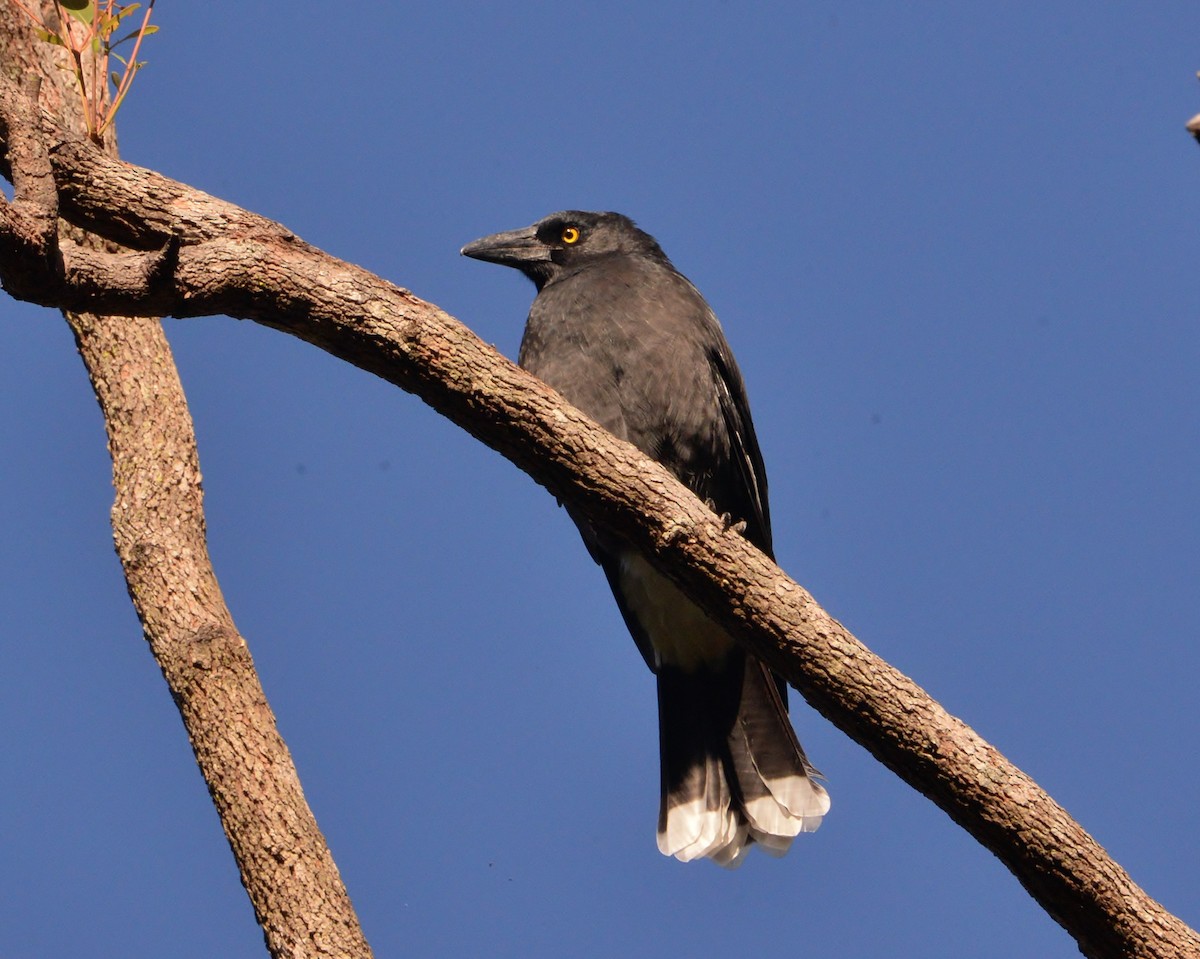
[738, 526]
[727, 520]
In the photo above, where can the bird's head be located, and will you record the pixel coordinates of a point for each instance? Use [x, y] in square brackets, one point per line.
[563, 241]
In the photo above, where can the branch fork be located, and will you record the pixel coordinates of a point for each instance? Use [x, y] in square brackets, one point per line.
[36, 262]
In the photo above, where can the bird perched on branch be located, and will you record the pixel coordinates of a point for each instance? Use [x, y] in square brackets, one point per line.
[627, 339]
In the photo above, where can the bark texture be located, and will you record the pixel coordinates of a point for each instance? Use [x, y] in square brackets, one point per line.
[158, 527]
[188, 254]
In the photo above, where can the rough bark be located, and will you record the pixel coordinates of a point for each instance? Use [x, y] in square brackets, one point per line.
[158, 527]
[200, 256]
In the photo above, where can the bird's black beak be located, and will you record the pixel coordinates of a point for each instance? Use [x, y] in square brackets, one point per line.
[516, 248]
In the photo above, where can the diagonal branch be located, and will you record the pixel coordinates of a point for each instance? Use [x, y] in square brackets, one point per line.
[234, 262]
[158, 527]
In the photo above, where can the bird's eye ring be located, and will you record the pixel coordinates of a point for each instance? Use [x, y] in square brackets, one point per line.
[570, 234]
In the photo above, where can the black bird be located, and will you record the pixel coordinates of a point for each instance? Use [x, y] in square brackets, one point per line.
[626, 338]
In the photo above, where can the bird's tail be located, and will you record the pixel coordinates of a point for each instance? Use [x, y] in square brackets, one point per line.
[733, 772]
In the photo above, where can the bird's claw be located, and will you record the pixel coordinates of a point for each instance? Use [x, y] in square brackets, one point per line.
[727, 520]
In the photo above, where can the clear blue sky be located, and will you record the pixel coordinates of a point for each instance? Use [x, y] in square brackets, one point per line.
[955, 249]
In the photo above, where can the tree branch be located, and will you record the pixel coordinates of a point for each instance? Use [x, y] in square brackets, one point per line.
[158, 523]
[231, 261]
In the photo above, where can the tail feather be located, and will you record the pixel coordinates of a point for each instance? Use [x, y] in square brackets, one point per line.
[733, 772]
[780, 796]
[698, 817]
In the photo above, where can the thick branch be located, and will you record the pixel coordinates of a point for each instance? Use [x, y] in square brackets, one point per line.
[158, 526]
[231, 261]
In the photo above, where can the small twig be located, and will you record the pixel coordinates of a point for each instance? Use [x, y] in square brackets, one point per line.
[25, 10]
[131, 68]
[1193, 127]
[81, 34]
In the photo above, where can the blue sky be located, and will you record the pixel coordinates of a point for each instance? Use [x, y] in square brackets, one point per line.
[954, 248]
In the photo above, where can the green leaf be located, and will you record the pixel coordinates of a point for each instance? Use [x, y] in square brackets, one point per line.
[48, 36]
[82, 10]
[129, 36]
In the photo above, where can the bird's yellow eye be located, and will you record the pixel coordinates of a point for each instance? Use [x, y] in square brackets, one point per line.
[570, 234]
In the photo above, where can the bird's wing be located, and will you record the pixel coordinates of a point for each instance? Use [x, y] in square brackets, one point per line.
[745, 456]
